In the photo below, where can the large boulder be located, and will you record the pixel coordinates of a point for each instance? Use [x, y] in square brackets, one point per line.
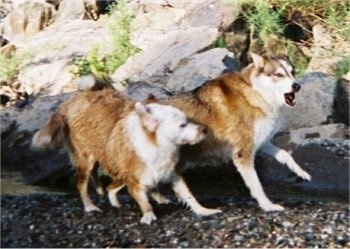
[26, 20]
[172, 37]
[17, 129]
[314, 102]
[322, 151]
[52, 52]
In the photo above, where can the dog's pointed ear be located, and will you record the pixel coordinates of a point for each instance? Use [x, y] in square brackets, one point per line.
[257, 60]
[148, 121]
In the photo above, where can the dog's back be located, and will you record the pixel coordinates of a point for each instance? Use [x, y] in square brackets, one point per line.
[86, 120]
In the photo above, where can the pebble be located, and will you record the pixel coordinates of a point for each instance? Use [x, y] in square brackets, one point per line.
[58, 221]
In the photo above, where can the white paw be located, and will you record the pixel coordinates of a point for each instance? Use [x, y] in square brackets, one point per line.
[162, 200]
[272, 207]
[207, 211]
[100, 191]
[304, 175]
[91, 208]
[113, 199]
[147, 218]
[115, 203]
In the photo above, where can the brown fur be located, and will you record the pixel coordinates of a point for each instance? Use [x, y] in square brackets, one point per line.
[227, 106]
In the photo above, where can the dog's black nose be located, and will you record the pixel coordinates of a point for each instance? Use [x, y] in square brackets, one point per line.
[296, 87]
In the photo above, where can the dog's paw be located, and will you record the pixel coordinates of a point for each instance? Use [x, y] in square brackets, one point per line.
[100, 191]
[207, 211]
[147, 218]
[273, 207]
[305, 176]
[114, 202]
[160, 199]
[91, 208]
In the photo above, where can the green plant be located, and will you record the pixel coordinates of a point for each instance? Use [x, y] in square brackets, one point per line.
[343, 67]
[262, 18]
[298, 59]
[268, 19]
[10, 67]
[103, 66]
[338, 17]
[220, 42]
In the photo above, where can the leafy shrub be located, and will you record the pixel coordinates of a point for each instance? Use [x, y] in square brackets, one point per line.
[343, 67]
[10, 67]
[120, 26]
[269, 19]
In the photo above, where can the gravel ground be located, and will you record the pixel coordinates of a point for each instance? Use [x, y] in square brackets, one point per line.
[43, 220]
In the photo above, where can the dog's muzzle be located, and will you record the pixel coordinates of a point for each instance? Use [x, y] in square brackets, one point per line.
[290, 97]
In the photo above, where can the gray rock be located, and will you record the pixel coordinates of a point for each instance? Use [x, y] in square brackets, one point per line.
[70, 10]
[52, 51]
[314, 102]
[17, 132]
[197, 69]
[170, 35]
[26, 20]
[341, 101]
[315, 150]
[159, 61]
[141, 90]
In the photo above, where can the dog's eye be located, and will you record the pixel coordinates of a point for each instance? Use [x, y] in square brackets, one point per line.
[279, 75]
[183, 125]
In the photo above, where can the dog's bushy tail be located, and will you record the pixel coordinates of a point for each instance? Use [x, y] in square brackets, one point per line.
[51, 134]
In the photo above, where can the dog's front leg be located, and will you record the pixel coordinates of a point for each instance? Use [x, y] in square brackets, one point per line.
[284, 157]
[184, 194]
[139, 193]
[245, 166]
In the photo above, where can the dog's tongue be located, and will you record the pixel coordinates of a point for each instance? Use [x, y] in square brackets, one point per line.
[290, 98]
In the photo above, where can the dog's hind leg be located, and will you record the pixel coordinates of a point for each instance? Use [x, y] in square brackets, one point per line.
[184, 194]
[96, 180]
[284, 157]
[160, 199]
[84, 168]
[113, 189]
[245, 166]
[139, 193]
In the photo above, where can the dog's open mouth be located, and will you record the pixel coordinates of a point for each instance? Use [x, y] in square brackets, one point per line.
[290, 98]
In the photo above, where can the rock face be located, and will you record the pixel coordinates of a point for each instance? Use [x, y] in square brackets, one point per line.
[26, 20]
[170, 50]
[48, 72]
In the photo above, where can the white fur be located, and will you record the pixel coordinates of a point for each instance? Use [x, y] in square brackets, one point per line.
[263, 130]
[284, 157]
[273, 92]
[251, 180]
[272, 88]
[160, 157]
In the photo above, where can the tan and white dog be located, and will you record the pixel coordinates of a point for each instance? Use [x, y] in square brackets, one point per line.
[137, 145]
[241, 111]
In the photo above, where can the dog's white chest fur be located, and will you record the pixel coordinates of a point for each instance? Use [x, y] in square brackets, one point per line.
[159, 160]
[264, 129]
